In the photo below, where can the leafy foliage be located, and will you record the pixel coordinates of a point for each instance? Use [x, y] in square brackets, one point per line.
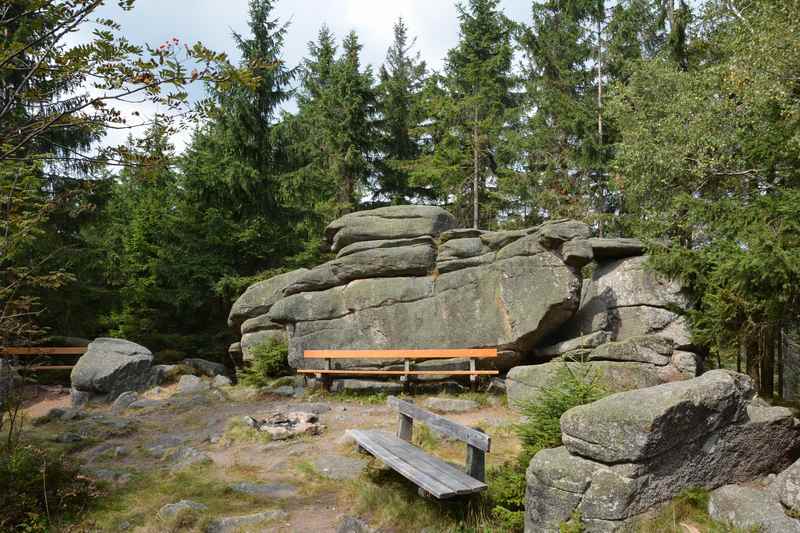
[270, 360]
[575, 384]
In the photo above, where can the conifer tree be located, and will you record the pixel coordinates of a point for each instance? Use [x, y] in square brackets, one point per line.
[333, 135]
[470, 106]
[399, 104]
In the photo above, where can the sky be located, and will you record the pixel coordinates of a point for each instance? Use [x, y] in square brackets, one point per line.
[434, 23]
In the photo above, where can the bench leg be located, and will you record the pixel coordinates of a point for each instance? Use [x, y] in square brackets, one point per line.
[476, 463]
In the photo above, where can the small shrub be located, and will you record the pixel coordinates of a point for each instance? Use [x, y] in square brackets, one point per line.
[573, 525]
[542, 429]
[39, 487]
[507, 495]
[574, 386]
[270, 361]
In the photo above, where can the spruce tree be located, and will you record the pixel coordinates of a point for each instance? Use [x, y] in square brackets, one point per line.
[399, 105]
[470, 107]
[333, 135]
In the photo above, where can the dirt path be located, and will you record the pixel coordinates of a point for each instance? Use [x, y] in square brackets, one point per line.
[194, 447]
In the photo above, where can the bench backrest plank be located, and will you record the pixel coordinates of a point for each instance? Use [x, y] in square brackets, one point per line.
[44, 350]
[480, 353]
[472, 437]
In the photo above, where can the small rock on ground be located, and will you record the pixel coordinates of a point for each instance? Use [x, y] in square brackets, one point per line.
[450, 405]
[145, 403]
[272, 490]
[352, 524]
[339, 467]
[170, 510]
[231, 524]
[189, 383]
[221, 381]
[123, 401]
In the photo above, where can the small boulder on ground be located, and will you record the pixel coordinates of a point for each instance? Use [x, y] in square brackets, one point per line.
[450, 405]
[222, 381]
[112, 366]
[171, 510]
[205, 368]
[232, 524]
[123, 401]
[189, 384]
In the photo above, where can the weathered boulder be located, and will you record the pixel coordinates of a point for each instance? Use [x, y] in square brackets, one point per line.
[111, 367]
[123, 401]
[627, 300]
[190, 384]
[526, 383]
[786, 487]
[592, 340]
[631, 451]
[362, 246]
[416, 260]
[259, 297]
[748, 509]
[395, 222]
[645, 349]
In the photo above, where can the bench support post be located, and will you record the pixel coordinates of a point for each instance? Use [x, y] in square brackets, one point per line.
[476, 463]
[406, 428]
[473, 379]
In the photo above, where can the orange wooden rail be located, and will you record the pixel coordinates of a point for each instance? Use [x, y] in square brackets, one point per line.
[43, 351]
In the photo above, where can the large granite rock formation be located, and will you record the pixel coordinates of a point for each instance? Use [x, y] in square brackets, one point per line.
[112, 366]
[631, 451]
[416, 294]
[405, 277]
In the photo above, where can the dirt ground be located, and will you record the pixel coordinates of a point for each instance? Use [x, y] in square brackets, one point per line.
[194, 447]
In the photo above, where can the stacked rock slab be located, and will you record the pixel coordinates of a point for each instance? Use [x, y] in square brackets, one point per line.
[249, 314]
[631, 451]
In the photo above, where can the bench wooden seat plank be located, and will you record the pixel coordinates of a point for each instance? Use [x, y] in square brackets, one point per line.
[402, 372]
[432, 353]
[437, 477]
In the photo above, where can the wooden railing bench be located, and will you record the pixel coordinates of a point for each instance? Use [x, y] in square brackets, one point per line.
[434, 476]
[42, 351]
[408, 357]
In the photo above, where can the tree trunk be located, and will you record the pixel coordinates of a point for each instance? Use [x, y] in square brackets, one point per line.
[767, 364]
[751, 361]
[475, 188]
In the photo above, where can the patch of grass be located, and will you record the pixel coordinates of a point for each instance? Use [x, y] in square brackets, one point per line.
[690, 507]
[138, 502]
[361, 398]
[423, 437]
[237, 431]
[392, 502]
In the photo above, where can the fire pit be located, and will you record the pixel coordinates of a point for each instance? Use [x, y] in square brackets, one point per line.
[283, 426]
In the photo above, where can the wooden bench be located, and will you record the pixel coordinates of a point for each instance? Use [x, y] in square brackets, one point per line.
[408, 357]
[431, 474]
[43, 351]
